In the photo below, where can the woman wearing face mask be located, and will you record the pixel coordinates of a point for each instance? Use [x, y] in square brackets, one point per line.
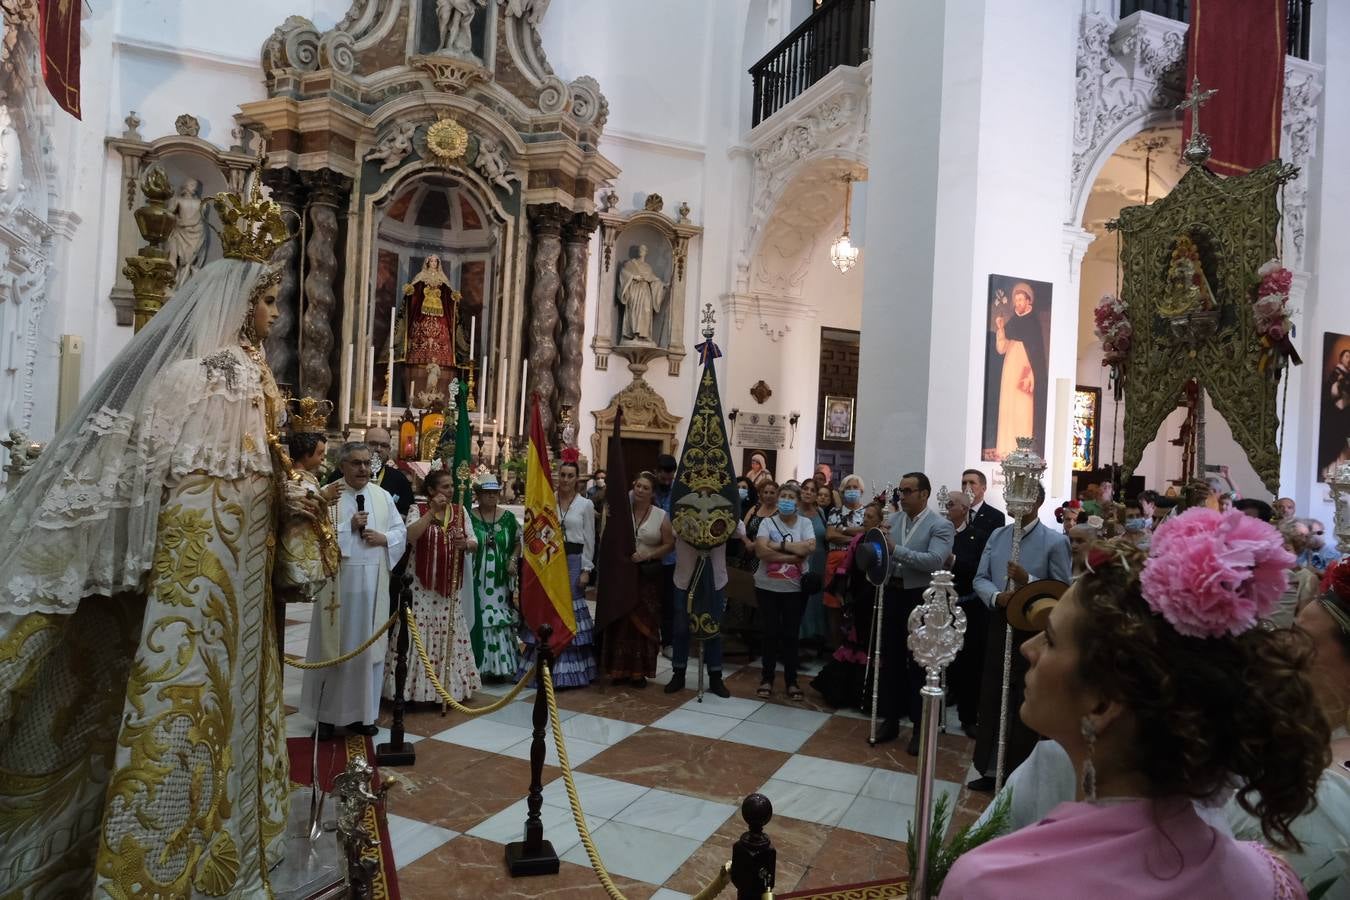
[784, 543]
[841, 526]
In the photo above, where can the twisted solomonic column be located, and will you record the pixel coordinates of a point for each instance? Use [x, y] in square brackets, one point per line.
[328, 193]
[289, 191]
[576, 254]
[547, 224]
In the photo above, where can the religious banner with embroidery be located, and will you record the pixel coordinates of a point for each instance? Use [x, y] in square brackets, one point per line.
[59, 46]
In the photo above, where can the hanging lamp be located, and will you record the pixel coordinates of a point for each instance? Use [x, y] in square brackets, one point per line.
[843, 255]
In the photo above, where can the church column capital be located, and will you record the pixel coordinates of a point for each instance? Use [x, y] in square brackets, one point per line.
[580, 227]
[1076, 242]
[287, 186]
[548, 218]
[327, 187]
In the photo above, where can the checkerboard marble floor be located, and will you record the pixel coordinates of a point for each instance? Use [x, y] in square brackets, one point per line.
[661, 778]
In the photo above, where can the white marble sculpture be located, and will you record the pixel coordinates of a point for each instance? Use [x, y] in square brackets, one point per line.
[491, 162]
[532, 11]
[11, 159]
[187, 244]
[395, 147]
[641, 292]
[455, 18]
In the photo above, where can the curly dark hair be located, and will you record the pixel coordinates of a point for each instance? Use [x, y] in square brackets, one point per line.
[434, 478]
[302, 443]
[1209, 712]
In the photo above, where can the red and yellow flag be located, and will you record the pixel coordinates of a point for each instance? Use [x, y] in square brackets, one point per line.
[546, 591]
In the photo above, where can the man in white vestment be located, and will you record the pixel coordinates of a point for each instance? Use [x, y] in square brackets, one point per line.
[372, 537]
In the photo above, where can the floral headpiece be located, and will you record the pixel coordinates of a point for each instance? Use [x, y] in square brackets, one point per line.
[1210, 574]
[1337, 579]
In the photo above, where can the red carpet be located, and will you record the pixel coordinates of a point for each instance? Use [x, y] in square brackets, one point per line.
[333, 756]
[886, 889]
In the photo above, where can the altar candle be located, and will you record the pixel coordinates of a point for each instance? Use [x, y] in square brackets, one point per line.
[346, 385]
[482, 390]
[524, 384]
[473, 332]
[370, 388]
[412, 393]
[503, 367]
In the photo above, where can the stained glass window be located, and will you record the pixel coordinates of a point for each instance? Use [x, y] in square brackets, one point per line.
[1087, 403]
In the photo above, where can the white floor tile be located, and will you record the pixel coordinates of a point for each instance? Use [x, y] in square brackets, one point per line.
[484, 735]
[508, 826]
[501, 690]
[676, 814]
[383, 737]
[894, 787]
[882, 818]
[807, 720]
[824, 773]
[733, 707]
[411, 840]
[774, 737]
[578, 751]
[634, 852]
[596, 729]
[521, 715]
[810, 804]
[688, 721]
[601, 797]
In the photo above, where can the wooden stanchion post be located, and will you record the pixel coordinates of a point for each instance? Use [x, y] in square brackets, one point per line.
[753, 858]
[534, 855]
[399, 751]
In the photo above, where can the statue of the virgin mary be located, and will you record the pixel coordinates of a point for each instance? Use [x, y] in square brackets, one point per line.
[142, 727]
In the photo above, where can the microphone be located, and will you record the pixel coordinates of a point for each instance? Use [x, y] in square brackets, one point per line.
[361, 507]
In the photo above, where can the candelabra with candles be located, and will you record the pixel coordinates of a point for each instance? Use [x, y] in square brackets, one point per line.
[937, 628]
[1022, 471]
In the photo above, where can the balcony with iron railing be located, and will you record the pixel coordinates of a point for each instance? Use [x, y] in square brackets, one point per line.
[837, 33]
[1298, 19]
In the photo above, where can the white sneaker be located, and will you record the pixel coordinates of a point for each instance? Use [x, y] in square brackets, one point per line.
[666, 651]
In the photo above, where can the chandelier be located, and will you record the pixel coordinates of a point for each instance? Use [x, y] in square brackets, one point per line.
[843, 254]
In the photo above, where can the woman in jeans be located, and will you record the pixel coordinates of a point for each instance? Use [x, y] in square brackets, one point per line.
[784, 543]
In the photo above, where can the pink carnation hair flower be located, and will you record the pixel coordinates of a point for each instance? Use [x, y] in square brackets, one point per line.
[1211, 574]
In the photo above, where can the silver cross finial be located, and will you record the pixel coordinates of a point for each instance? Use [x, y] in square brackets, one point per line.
[1194, 100]
[709, 321]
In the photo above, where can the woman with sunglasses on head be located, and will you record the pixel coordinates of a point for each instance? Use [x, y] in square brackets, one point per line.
[785, 542]
[1153, 676]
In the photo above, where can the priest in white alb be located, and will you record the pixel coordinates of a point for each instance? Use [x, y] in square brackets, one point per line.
[372, 537]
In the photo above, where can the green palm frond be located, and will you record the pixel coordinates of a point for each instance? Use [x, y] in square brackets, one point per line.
[944, 856]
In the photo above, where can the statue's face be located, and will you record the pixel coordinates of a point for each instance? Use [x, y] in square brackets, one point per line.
[642, 251]
[266, 311]
[433, 262]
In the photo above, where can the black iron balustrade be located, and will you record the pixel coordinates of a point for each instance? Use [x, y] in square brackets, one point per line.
[836, 34]
[1298, 19]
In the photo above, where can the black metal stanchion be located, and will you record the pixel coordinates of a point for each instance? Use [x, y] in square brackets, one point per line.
[399, 751]
[534, 855]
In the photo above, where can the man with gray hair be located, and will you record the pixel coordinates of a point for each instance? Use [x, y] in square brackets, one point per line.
[372, 537]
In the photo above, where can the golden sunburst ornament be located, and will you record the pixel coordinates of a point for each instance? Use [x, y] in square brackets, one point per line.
[447, 140]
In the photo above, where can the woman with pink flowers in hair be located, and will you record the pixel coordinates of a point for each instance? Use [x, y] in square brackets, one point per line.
[1155, 679]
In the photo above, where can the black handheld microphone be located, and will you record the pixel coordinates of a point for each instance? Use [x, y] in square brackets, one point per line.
[361, 507]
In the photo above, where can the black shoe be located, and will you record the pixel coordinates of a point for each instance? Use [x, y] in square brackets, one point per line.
[889, 731]
[715, 685]
[324, 732]
[912, 748]
[676, 681]
[360, 728]
[982, 785]
[639, 682]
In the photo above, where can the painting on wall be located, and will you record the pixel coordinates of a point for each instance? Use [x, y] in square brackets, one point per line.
[1016, 365]
[1084, 436]
[838, 424]
[1333, 443]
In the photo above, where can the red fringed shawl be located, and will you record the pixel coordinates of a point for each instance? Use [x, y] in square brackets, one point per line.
[438, 564]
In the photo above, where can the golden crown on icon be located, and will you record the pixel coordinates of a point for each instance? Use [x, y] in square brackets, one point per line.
[251, 229]
[310, 415]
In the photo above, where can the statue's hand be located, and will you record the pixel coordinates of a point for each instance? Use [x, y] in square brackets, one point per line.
[300, 503]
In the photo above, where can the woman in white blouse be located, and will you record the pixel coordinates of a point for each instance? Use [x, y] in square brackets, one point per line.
[576, 665]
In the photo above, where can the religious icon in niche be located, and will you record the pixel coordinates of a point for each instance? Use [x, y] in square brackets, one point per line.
[433, 313]
[1016, 367]
[1087, 403]
[641, 293]
[1333, 445]
[761, 392]
[838, 424]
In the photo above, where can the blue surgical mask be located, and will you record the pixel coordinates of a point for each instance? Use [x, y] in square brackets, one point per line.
[744, 492]
[787, 507]
[852, 495]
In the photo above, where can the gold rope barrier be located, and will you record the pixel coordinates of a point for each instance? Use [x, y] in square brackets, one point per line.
[445, 695]
[339, 660]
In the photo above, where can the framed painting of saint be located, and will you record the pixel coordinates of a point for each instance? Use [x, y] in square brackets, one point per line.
[838, 419]
[1333, 441]
[1016, 365]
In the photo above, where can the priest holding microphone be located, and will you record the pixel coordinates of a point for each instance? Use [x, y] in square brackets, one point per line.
[372, 537]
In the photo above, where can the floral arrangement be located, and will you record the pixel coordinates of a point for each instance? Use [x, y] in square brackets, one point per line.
[1113, 329]
[1211, 574]
[1271, 315]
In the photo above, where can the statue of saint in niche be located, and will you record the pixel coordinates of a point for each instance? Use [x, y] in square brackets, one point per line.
[187, 244]
[641, 292]
[455, 17]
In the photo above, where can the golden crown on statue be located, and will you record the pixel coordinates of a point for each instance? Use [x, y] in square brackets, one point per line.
[251, 229]
[310, 415]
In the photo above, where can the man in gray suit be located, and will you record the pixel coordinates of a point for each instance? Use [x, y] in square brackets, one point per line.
[921, 540]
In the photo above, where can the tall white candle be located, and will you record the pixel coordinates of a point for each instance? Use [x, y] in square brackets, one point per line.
[503, 368]
[524, 389]
[482, 391]
[370, 384]
[473, 333]
[344, 414]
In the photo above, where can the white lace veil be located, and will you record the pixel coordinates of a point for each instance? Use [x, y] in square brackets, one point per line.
[82, 521]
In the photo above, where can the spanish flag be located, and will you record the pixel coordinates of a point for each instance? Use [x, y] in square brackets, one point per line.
[545, 593]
